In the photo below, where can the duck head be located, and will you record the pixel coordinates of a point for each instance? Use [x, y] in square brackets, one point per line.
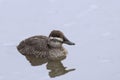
[57, 38]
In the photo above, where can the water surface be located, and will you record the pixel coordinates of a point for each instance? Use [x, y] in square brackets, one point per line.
[94, 25]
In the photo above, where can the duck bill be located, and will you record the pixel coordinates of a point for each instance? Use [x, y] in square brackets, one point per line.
[66, 41]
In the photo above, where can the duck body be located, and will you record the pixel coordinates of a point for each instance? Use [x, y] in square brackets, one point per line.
[45, 47]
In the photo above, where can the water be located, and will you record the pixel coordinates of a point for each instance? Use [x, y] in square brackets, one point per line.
[92, 25]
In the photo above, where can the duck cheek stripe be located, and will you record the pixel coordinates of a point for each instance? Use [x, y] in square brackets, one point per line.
[56, 38]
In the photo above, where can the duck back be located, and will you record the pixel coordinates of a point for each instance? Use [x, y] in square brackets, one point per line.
[36, 45]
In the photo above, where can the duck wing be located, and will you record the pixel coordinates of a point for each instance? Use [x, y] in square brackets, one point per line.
[38, 42]
[36, 45]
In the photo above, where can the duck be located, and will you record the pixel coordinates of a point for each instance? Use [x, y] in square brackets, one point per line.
[41, 46]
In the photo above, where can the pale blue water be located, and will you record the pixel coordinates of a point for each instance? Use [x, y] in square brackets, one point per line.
[92, 24]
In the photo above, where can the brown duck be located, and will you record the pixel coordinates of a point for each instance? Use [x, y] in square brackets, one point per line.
[45, 47]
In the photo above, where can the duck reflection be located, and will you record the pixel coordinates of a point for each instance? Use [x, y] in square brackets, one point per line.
[56, 68]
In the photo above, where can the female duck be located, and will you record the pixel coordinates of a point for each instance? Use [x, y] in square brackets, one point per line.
[45, 47]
